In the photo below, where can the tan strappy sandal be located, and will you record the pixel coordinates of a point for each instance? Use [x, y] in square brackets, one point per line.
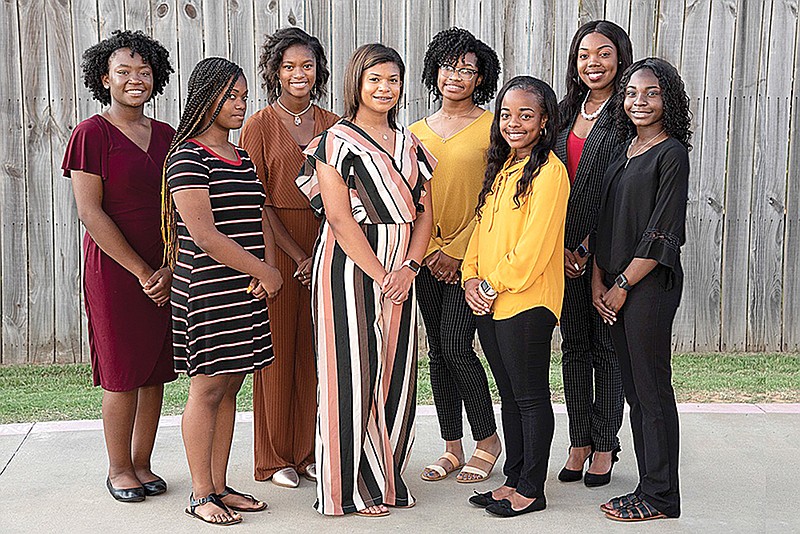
[483, 475]
[440, 471]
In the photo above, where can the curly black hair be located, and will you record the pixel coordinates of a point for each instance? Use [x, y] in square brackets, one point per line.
[576, 89]
[499, 149]
[677, 118]
[269, 63]
[447, 47]
[95, 61]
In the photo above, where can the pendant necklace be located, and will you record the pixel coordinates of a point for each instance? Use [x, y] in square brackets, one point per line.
[385, 136]
[591, 116]
[642, 148]
[297, 120]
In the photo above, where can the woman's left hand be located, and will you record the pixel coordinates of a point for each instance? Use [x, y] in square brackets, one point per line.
[614, 298]
[303, 272]
[397, 284]
[157, 287]
[447, 269]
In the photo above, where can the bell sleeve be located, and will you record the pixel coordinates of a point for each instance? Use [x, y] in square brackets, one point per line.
[331, 150]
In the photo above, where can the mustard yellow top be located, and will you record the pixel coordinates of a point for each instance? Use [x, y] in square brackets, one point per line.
[456, 182]
[520, 251]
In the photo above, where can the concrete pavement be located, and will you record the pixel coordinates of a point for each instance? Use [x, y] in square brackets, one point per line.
[739, 469]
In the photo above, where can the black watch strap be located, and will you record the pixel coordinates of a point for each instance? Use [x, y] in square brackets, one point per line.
[622, 282]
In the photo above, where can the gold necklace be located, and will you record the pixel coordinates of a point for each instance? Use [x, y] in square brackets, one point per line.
[385, 136]
[297, 120]
[453, 117]
[641, 148]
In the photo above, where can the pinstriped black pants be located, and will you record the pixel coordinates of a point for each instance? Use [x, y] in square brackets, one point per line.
[592, 382]
[457, 376]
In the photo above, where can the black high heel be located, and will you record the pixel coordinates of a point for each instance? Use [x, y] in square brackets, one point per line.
[573, 475]
[592, 480]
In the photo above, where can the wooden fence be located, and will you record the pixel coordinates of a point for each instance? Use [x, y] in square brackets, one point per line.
[739, 59]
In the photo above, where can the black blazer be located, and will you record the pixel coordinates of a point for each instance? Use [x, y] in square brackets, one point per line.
[602, 145]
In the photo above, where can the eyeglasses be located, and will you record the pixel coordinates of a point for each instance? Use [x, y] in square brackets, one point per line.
[463, 73]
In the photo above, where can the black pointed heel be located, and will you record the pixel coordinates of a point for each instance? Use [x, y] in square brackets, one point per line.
[572, 475]
[592, 480]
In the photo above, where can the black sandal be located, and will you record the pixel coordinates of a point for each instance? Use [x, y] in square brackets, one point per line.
[641, 511]
[620, 502]
[260, 505]
[214, 499]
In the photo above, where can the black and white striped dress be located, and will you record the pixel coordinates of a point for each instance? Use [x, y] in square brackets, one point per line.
[218, 327]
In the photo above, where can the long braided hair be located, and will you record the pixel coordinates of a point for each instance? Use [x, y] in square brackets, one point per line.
[210, 78]
[499, 149]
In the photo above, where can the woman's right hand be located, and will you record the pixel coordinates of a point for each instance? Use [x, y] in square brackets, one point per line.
[478, 304]
[598, 291]
[303, 272]
[267, 284]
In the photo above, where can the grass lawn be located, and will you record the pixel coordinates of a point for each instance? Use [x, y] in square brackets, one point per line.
[61, 392]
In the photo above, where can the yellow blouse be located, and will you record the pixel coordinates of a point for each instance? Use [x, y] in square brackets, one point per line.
[457, 182]
[520, 251]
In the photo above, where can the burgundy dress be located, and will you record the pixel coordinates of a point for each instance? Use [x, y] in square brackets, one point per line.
[129, 335]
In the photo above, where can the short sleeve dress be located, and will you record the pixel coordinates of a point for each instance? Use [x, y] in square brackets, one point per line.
[218, 327]
[129, 335]
[366, 347]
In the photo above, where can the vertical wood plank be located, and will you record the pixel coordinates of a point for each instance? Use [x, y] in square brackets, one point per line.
[13, 234]
[710, 171]
[240, 30]
[516, 28]
[66, 257]
[566, 23]
[619, 11]
[318, 24]
[418, 35]
[85, 33]
[540, 53]
[393, 23]
[693, 73]
[670, 28]
[791, 258]
[342, 46]
[191, 45]
[137, 16]
[265, 22]
[110, 16]
[215, 28]
[165, 31]
[467, 14]
[293, 13]
[589, 10]
[768, 202]
[368, 22]
[736, 235]
[33, 49]
[642, 27]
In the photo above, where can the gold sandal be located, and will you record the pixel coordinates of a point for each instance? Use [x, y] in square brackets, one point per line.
[481, 455]
[441, 472]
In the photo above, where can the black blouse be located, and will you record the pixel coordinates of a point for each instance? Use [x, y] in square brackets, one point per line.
[643, 209]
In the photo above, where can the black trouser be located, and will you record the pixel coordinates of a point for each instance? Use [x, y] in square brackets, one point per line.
[643, 340]
[518, 351]
[592, 383]
[457, 375]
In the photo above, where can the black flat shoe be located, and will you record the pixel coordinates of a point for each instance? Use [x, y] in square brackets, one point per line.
[502, 508]
[156, 487]
[572, 475]
[482, 500]
[592, 480]
[126, 494]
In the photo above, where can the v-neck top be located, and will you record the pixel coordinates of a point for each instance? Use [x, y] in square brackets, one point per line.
[277, 156]
[459, 177]
[384, 188]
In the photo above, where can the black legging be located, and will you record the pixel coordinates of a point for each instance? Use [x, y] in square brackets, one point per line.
[642, 339]
[518, 351]
[457, 375]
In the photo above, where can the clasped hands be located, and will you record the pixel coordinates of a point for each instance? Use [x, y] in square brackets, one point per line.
[608, 302]
[267, 284]
[443, 267]
[479, 304]
[397, 284]
[157, 286]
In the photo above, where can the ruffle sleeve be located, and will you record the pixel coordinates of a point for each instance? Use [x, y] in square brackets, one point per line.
[87, 150]
[426, 164]
[331, 150]
[666, 229]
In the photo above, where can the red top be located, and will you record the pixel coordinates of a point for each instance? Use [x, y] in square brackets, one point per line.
[130, 337]
[574, 150]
